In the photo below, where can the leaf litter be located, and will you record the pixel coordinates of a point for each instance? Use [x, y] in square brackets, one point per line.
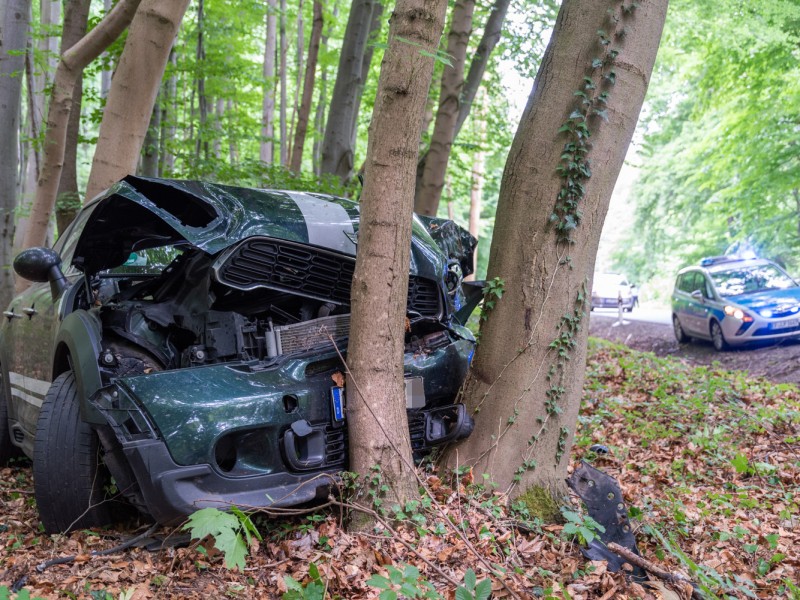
[708, 460]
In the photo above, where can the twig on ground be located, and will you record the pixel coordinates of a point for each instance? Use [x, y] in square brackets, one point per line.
[648, 566]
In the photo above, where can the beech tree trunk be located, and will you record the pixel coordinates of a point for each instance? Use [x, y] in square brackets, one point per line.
[526, 380]
[150, 145]
[284, 142]
[308, 88]
[376, 408]
[68, 199]
[430, 190]
[133, 92]
[477, 68]
[267, 148]
[319, 115]
[476, 189]
[168, 117]
[14, 21]
[337, 144]
[69, 69]
[298, 71]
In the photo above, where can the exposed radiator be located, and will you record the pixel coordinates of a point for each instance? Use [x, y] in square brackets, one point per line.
[308, 335]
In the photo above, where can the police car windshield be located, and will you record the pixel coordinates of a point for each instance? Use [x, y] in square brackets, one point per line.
[750, 280]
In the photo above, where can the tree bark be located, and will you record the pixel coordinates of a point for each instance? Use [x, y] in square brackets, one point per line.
[430, 190]
[105, 74]
[69, 69]
[284, 142]
[298, 70]
[319, 116]
[68, 199]
[526, 379]
[477, 68]
[133, 92]
[201, 143]
[476, 189]
[14, 20]
[337, 145]
[267, 151]
[369, 51]
[168, 117]
[150, 145]
[377, 418]
[308, 88]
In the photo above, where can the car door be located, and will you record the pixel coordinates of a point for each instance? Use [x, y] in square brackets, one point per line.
[692, 311]
[30, 339]
[28, 335]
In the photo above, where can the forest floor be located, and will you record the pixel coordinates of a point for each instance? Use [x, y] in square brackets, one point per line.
[708, 461]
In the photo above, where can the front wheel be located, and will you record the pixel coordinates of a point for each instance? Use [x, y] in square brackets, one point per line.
[69, 479]
[717, 337]
[680, 335]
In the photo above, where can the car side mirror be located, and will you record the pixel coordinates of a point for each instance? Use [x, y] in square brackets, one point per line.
[698, 295]
[40, 265]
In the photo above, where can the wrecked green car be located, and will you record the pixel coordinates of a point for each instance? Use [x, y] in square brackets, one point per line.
[179, 350]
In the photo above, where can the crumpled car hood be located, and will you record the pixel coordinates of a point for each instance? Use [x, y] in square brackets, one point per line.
[138, 213]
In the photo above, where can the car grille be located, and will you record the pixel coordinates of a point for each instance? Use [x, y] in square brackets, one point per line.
[311, 272]
[770, 331]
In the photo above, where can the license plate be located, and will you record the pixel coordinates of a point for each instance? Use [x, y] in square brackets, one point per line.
[338, 403]
[786, 324]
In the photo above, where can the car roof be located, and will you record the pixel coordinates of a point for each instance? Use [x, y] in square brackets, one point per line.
[721, 264]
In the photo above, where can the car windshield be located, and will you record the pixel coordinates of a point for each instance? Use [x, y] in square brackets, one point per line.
[750, 280]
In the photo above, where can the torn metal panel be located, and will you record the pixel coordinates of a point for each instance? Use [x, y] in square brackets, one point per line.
[603, 499]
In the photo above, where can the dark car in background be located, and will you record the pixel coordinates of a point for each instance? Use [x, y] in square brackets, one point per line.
[182, 338]
[732, 301]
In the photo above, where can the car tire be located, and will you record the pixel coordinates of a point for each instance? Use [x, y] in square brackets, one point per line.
[7, 449]
[717, 337]
[680, 334]
[68, 476]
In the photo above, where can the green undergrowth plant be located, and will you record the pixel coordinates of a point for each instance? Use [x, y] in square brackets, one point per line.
[313, 590]
[23, 594]
[232, 532]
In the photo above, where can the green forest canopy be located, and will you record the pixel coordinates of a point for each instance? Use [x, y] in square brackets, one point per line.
[719, 165]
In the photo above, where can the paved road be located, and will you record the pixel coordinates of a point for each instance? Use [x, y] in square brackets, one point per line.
[644, 315]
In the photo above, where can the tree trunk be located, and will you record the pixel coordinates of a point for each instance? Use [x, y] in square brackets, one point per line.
[105, 74]
[298, 70]
[133, 92]
[308, 88]
[376, 408]
[284, 147]
[201, 143]
[476, 189]
[372, 38]
[219, 115]
[150, 146]
[68, 199]
[319, 116]
[267, 152]
[429, 192]
[337, 145]
[14, 20]
[69, 69]
[233, 151]
[477, 67]
[527, 376]
[168, 117]
[491, 35]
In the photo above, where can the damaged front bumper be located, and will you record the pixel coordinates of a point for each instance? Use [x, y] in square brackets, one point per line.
[259, 434]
